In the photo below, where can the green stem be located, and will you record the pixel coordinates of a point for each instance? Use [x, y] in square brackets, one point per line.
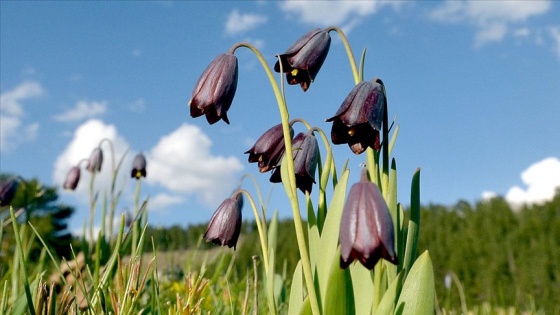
[292, 195]
[91, 209]
[136, 225]
[323, 180]
[23, 265]
[349, 52]
[264, 241]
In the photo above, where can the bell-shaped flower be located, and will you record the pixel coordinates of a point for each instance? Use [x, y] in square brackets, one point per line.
[225, 224]
[8, 189]
[305, 151]
[366, 227]
[95, 160]
[303, 60]
[72, 178]
[358, 120]
[138, 166]
[269, 148]
[215, 89]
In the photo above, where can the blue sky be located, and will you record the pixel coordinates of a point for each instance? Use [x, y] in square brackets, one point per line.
[475, 86]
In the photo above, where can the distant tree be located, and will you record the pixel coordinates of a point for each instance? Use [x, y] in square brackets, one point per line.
[39, 207]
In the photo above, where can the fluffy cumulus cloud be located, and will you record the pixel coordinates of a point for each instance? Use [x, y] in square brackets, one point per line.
[238, 23]
[13, 129]
[87, 137]
[163, 200]
[493, 19]
[82, 110]
[541, 179]
[345, 14]
[183, 163]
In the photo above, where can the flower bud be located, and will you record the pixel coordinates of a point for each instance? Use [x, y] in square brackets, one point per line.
[215, 89]
[366, 227]
[8, 189]
[358, 120]
[72, 178]
[269, 148]
[303, 60]
[305, 151]
[95, 160]
[225, 225]
[138, 166]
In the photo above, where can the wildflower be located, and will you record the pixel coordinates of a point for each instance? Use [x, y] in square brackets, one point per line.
[215, 89]
[138, 166]
[303, 60]
[358, 120]
[225, 224]
[305, 151]
[269, 148]
[366, 228]
[8, 189]
[95, 160]
[72, 178]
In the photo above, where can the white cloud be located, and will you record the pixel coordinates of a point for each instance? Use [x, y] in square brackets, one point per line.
[344, 14]
[541, 180]
[12, 128]
[238, 23]
[492, 18]
[87, 137]
[183, 163]
[82, 110]
[487, 195]
[161, 201]
[555, 33]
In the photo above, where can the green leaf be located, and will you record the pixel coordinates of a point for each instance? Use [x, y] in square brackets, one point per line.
[329, 237]
[339, 297]
[362, 283]
[296, 291]
[387, 304]
[270, 282]
[418, 292]
[273, 231]
[312, 234]
[413, 223]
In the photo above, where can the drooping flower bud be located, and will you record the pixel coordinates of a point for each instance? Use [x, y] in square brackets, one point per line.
[269, 148]
[95, 160]
[366, 227]
[225, 225]
[215, 89]
[138, 166]
[358, 120]
[8, 189]
[303, 60]
[72, 178]
[305, 151]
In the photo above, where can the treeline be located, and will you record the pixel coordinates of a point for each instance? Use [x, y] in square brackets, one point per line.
[501, 256]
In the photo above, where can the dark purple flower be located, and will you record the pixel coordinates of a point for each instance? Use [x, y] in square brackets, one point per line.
[366, 227]
[302, 61]
[305, 151]
[138, 166]
[215, 89]
[269, 148]
[358, 120]
[225, 225]
[95, 160]
[72, 178]
[8, 189]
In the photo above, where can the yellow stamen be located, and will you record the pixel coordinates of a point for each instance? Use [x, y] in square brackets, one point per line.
[294, 72]
[138, 174]
[351, 131]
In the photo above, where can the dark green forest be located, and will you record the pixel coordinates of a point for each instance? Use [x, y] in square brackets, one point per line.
[500, 256]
